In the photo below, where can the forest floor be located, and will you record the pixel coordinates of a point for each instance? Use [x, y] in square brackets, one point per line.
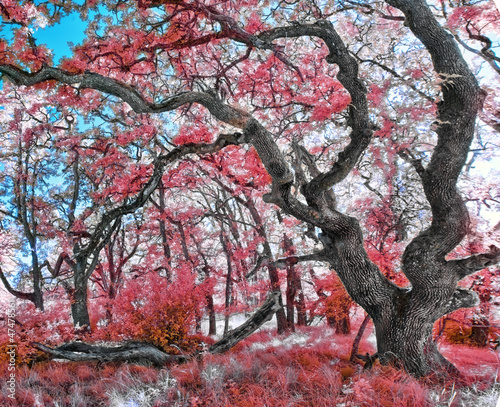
[309, 367]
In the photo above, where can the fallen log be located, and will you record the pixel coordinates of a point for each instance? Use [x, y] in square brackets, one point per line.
[146, 353]
[133, 352]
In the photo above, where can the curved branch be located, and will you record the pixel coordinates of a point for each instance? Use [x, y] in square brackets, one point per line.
[485, 53]
[362, 129]
[127, 93]
[14, 292]
[292, 260]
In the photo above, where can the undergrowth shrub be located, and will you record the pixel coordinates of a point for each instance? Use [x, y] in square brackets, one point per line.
[162, 313]
[467, 332]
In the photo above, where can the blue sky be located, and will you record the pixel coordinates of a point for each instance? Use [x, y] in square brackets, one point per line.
[70, 29]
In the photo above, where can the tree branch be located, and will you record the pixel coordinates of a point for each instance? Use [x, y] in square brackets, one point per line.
[263, 314]
[292, 260]
[362, 129]
[469, 265]
[127, 93]
[423, 258]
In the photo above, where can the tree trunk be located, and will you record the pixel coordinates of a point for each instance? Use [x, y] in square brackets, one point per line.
[403, 318]
[359, 335]
[79, 302]
[290, 300]
[341, 323]
[301, 307]
[262, 315]
[273, 271]
[289, 250]
[480, 329]
[229, 279]
[212, 323]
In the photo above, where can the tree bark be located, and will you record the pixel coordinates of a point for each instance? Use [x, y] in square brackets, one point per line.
[133, 352]
[291, 283]
[229, 279]
[212, 322]
[262, 315]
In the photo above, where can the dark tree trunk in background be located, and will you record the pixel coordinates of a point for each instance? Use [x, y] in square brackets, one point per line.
[229, 280]
[341, 322]
[163, 230]
[292, 283]
[212, 322]
[301, 306]
[79, 306]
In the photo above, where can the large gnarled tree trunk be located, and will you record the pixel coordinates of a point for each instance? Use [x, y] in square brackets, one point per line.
[403, 319]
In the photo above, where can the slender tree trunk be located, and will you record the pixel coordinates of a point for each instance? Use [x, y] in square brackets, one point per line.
[291, 289]
[480, 328]
[359, 335]
[290, 300]
[301, 307]
[229, 280]
[403, 318]
[163, 230]
[109, 303]
[273, 271]
[212, 322]
[37, 284]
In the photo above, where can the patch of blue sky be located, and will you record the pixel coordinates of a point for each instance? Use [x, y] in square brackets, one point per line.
[71, 29]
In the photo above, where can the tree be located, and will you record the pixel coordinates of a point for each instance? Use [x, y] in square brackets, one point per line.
[289, 88]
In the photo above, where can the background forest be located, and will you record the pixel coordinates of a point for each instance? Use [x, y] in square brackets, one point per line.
[189, 158]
